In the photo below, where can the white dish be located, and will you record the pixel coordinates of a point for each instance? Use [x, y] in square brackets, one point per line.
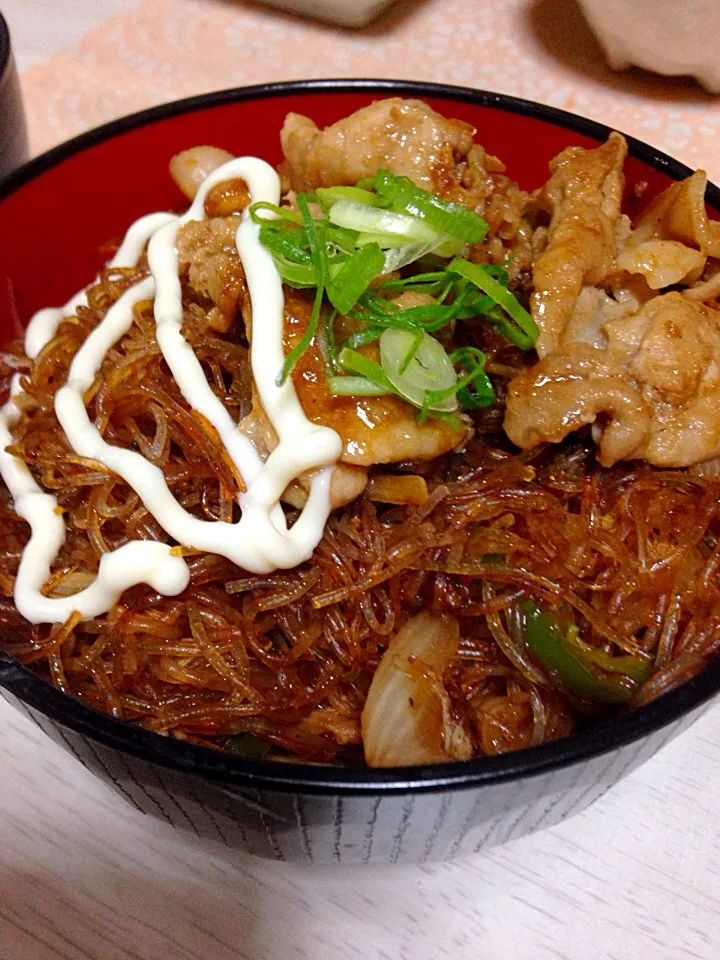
[673, 37]
[346, 13]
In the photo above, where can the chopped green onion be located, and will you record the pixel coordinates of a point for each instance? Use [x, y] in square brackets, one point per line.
[443, 215]
[296, 274]
[344, 240]
[358, 363]
[384, 240]
[451, 247]
[498, 271]
[348, 240]
[365, 219]
[394, 319]
[431, 283]
[400, 257]
[428, 370]
[374, 374]
[316, 232]
[286, 242]
[316, 237]
[451, 420]
[474, 389]
[428, 317]
[293, 240]
[330, 195]
[470, 302]
[354, 277]
[356, 387]
[528, 331]
[326, 342]
[482, 394]
[361, 337]
[301, 346]
[410, 355]
[508, 329]
[279, 213]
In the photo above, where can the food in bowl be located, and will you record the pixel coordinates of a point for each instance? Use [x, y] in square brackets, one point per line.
[377, 458]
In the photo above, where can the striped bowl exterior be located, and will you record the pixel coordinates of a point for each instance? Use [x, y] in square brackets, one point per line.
[407, 827]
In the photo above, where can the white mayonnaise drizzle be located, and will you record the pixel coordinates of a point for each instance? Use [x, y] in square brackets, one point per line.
[260, 541]
[139, 561]
[44, 324]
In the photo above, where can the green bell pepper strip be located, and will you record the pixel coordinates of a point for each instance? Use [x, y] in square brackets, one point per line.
[570, 661]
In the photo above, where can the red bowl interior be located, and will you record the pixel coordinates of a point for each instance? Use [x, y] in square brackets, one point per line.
[53, 228]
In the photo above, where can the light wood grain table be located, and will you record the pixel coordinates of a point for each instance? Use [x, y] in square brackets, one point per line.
[84, 876]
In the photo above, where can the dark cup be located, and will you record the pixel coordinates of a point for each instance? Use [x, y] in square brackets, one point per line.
[13, 130]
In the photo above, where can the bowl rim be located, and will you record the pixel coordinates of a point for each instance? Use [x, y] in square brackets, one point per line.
[604, 737]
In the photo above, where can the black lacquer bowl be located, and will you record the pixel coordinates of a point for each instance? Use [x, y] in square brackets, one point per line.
[89, 190]
[13, 133]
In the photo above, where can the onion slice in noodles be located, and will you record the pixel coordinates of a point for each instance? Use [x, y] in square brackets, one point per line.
[407, 718]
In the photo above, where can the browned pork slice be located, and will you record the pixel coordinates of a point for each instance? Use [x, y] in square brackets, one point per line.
[583, 197]
[679, 214]
[405, 136]
[374, 430]
[653, 392]
[618, 349]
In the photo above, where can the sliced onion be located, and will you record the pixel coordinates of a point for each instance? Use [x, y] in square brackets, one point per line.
[429, 369]
[397, 488]
[407, 719]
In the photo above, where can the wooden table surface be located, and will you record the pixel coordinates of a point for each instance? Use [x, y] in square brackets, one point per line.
[84, 876]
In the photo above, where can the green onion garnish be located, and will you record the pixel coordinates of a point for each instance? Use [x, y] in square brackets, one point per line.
[278, 213]
[443, 215]
[474, 389]
[361, 337]
[330, 195]
[316, 238]
[418, 366]
[354, 277]
[290, 243]
[352, 236]
[527, 331]
[374, 381]
[379, 221]
[358, 363]
[356, 387]
[418, 369]
[433, 283]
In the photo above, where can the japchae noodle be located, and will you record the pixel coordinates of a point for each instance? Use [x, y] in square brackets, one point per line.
[522, 592]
